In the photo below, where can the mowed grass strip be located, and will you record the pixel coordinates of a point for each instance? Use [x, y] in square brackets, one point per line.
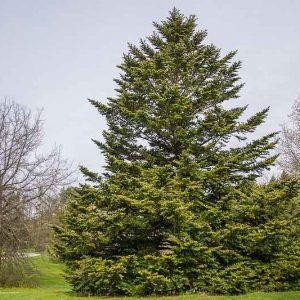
[52, 286]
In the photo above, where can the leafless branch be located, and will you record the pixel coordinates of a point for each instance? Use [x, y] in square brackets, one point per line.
[26, 175]
[289, 147]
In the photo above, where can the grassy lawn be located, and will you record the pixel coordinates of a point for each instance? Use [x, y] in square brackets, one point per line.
[53, 287]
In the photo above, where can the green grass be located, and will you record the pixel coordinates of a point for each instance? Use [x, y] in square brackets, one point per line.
[52, 286]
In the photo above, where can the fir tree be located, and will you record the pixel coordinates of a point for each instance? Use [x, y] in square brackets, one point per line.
[177, 208]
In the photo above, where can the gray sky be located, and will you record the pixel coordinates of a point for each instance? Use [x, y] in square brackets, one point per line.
[54, 54]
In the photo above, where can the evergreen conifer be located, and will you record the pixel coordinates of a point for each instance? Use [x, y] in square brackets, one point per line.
[178, 209]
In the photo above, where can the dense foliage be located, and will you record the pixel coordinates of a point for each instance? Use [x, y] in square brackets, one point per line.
[178, 209]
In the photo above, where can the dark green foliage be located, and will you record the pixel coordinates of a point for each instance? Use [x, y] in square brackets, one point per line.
[178, 210]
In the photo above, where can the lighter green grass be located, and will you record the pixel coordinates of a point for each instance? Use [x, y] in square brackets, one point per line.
[52, 286]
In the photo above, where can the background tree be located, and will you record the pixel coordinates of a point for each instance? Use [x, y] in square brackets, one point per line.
[289, 149]
[178, 209]
[47, 213]
[26, 175]
[289, 146]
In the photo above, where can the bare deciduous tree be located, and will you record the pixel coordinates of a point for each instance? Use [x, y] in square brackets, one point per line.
[290, 143]
[26, 175]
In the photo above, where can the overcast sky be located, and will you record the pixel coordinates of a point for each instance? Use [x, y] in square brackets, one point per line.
[54, 54]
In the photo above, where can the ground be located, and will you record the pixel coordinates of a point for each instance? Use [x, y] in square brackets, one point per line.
[52, 286]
